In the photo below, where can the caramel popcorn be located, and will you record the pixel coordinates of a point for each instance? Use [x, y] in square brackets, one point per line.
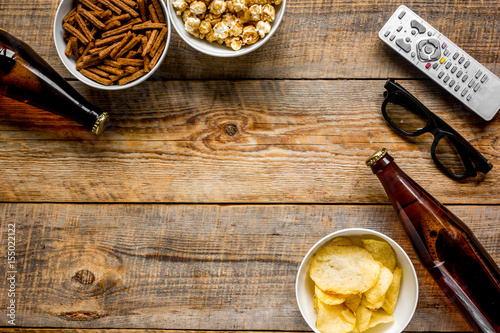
[233, 23]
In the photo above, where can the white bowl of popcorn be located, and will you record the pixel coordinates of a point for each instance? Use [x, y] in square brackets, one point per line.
[225, 28]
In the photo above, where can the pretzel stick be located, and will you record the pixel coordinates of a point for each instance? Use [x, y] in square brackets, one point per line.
[125, 7]
[150, 42]
[142, 9]
[158, 11]
[111, 69]
[96, 78]
[123, 42]
[148, 25]
[111, 6]
[121, 29]
[112, 25]
[131, 78]
[157, 56]
[90, 5]
[127, 47]
[69, 47]
[123, 17]
[99, 72]
[109, 40]
[159, 39]
[92, 18]
[75, 32]
[83, 27]
[130, 62]
[87, 49]
[152, 12]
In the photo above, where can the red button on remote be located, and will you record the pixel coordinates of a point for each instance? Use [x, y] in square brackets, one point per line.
[428, 65]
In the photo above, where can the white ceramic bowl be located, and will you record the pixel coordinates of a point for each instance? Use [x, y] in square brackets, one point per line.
[64, 8]
[214, 49]
[408, 294]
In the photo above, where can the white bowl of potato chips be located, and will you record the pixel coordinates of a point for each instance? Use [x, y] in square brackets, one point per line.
[357, 280]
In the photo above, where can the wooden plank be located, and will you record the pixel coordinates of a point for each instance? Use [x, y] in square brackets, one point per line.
[232, 142]
[192, 267]
[317, 39]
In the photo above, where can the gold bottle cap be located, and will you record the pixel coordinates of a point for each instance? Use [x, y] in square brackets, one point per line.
[375, 157]
[100, 123]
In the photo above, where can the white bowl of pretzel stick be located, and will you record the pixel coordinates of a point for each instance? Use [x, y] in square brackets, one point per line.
[112, 44]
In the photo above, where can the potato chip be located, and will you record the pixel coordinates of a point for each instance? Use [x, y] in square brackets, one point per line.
[380, 317]
[349, 316]
[352, 302]
[341, 241]
[363, 316]
[381, 251]
[373, 306]
[344, 269]
[328, 298]
[330, 319]
[355, 288]
[391, 297]
[375, 293]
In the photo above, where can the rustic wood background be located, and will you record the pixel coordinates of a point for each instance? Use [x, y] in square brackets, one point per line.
[194, 210]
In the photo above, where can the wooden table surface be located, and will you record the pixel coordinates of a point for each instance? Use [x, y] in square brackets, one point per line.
[195, 209]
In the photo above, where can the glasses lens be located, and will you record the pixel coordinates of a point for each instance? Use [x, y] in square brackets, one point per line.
[447, 154]
[405, 114]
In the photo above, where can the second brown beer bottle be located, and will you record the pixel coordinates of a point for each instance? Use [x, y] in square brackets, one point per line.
[25, 76]
[445, 245]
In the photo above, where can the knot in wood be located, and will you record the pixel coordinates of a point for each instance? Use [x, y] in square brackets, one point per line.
[85, 277]
[230, 129]
[80, 315]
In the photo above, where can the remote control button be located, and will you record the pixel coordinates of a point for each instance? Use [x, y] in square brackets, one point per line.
[408, 39]
[478, 74]
[428, 49]
[469, 98]
[387, 33]
[467, 63]
[413, 54]
[401, 43]
[446, 79]
[413, 32]
[442, 60]
[453, 69]
[429, 33]
[440, 75]
[399, 28]
[392, 37]
[457, 87]
[459, 73]
[484, 78]
[452, 82]
[443, 45]
[477, 86]
[471, 83]
[417, 25]
[428, 65]
[455, 56]
[446, 52]
[400, 16]
[465, 78]
[435, 65]
[464, 92]
[448, 64]
[461, 60]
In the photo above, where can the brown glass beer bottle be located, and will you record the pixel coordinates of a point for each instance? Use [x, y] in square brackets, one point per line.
[25, 76]
[445, 245]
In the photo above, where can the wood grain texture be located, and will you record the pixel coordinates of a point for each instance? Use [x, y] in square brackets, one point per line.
[233, 142]
[317, 39]
[192, 267]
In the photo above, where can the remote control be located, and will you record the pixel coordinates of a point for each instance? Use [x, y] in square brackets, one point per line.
[443, 61]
